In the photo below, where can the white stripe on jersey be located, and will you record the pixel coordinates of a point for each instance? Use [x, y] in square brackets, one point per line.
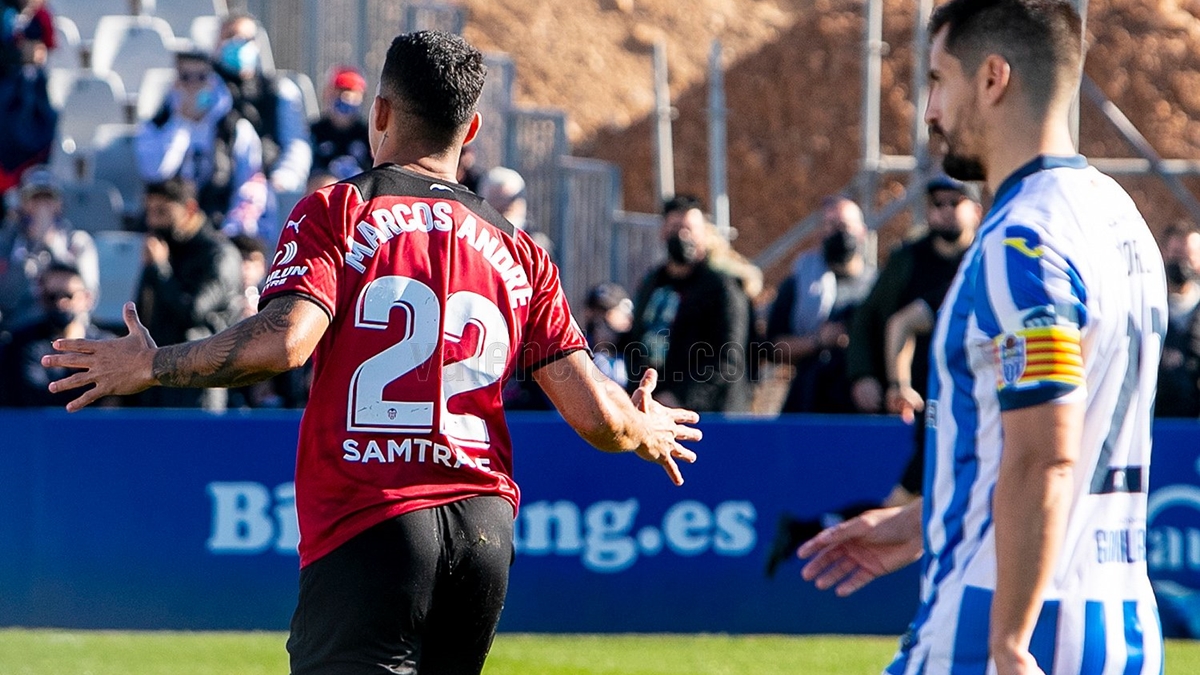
[1040, 312]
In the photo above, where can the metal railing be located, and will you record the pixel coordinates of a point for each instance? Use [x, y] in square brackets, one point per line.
[574, 201]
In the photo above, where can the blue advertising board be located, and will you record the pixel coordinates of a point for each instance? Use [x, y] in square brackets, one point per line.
[174, 519]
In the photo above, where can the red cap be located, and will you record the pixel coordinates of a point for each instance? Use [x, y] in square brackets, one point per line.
[347, 77]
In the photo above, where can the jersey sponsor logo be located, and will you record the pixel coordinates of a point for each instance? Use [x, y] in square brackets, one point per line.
[281, 275]
[409, 451]
[1021, 245]
[286, 254]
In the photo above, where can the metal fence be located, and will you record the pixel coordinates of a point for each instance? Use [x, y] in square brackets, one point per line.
[576, 202]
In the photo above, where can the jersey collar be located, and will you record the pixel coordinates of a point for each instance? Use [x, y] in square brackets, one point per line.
[1039, 163]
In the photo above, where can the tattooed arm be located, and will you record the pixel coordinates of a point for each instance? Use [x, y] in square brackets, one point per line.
[279, 338]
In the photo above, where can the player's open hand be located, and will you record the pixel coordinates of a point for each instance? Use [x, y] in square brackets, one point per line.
[667, 427]
[118, 366]
[852, 554]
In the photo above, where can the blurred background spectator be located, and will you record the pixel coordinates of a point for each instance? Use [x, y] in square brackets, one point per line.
[504, 189]
[690, 322]
[36, 237]
[271, 103]
[1179, 369]
[191, 284]
[468, 169]
[920, 270]
[197, 137]
[65, 306]
[607, 315]
[340, 143]
[26, 36]
[809, 321]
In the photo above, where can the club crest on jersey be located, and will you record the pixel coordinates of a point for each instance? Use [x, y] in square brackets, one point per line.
[1011, 353]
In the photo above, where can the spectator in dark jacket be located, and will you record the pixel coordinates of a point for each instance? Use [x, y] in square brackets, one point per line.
[26, 36]
[191, 284]
[66, 306]
[691, 322]
[339, 139]
[1179, 368]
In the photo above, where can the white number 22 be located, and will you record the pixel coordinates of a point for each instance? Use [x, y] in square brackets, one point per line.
[370, 411]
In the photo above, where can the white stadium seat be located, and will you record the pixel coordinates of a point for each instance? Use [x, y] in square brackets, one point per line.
[308, 93]
[155, 85]
[93, 207]
[86, 13]
[58, 84]
[114, 161]
[204, 32]
[120, 255]
[181, 13]
[67, 45]
[92, 100]
[129, 45]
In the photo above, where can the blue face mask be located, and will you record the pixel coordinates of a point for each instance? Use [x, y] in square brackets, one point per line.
[205, 99]
[345, 108]
[240, 56]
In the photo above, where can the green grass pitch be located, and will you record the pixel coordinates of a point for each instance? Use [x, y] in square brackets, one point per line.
[55, 652]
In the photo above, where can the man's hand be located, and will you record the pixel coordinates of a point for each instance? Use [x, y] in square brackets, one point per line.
[155, 252]
[116, 367]
[666, 427]
[867, 395]
[903, 400]
[854, 553]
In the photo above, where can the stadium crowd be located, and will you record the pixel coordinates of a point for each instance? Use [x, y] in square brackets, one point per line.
[223, 144]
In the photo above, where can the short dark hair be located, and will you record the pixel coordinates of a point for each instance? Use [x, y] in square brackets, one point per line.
[1042, 40]
[436, 77]
[682, 203]
[175, 190]
[1179, 228]
[248, 246]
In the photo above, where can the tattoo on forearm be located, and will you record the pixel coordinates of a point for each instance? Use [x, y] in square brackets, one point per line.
[221, 360]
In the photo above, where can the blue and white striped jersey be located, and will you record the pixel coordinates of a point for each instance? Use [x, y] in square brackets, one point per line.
[1061, 298]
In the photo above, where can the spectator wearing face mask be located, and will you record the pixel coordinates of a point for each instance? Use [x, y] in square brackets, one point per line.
[339, 139]
[36, 237]
[690, 322]
[26, 38]
[272, 104]
[197, 137]
[808, 324]
[66, 304]
[1179, 368]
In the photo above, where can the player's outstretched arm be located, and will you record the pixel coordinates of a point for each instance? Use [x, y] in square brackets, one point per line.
[279, 338]
[605, 416]
[852, 554]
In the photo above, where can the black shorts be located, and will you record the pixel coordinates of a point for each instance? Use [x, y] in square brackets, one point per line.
[419, 593]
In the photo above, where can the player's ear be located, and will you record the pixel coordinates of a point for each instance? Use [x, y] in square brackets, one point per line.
[473, 127]
[994, 76]
[381, 113]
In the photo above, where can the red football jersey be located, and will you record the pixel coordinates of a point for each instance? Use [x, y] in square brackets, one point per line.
[435, 299]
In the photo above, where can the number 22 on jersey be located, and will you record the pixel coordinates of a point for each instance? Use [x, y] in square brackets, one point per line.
[369, 410]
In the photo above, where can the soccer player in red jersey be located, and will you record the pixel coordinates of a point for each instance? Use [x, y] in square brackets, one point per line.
[415, 300]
